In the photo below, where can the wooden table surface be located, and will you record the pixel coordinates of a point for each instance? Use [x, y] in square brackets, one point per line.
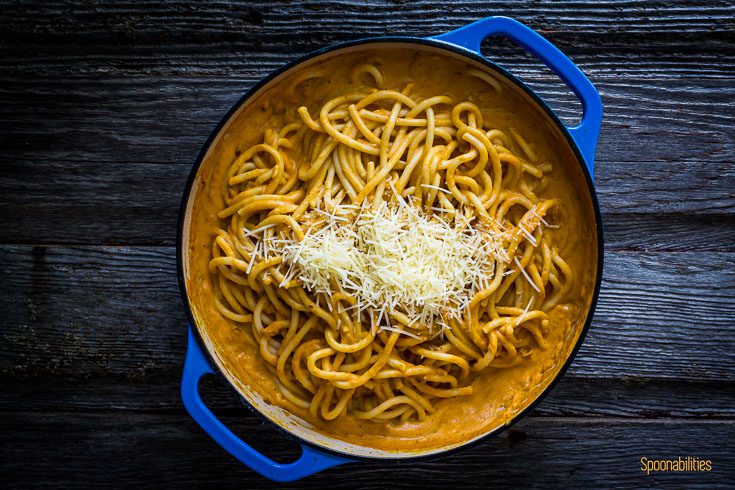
[103, 109]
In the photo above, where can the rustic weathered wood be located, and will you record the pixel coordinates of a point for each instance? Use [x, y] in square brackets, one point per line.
[158, 392]
[194, 21]
[128, 449]
[669, 232]
[256, 56]
[135, 203]
[77, 312]
[100, 115]
[103, 109]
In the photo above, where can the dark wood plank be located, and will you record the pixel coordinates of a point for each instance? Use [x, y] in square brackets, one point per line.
[69, 202]
[115, 313]
[571, 397]
[652, 306]
[664, 232]
[220, 21]
[100, 115]
[134, 203]
[79, 312]
[170, 451]
[644, 187]
[253, 59]
[103, 108]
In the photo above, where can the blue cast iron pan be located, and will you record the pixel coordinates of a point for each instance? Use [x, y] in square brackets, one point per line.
[464, 41]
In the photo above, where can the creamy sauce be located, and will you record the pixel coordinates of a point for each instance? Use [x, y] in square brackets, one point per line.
[499, 394]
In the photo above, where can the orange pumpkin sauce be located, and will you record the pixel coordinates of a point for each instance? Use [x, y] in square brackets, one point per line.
[499, 393]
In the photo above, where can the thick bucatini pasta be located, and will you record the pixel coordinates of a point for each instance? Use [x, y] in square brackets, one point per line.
[386, 249]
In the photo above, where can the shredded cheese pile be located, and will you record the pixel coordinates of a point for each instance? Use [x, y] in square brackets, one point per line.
[395, 260]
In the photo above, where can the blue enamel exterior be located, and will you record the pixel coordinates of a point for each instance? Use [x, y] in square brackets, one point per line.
[584, 135]
[310, 462]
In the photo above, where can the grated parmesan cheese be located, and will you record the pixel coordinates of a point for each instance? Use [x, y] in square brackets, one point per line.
[395, 258]
[525, 274]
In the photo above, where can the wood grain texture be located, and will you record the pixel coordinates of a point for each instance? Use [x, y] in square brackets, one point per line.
[157, 392]
[137, 203]
[170, 451]
[82, 106]
[103, 109]
[211, 22]
[80, 312]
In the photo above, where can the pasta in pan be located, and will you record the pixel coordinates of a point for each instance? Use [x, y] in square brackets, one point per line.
[384, 249]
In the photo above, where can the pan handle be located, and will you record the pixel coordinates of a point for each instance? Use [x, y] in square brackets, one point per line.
[310, 462]
[585, 134]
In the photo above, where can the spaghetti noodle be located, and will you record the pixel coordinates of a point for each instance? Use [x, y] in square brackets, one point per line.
[342, 337]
